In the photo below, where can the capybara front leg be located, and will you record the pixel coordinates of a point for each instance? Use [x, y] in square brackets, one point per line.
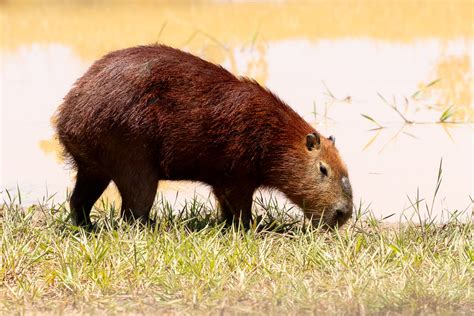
[235, 205]
[87, 190]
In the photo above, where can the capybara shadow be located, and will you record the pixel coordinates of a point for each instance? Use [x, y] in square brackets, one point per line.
[150, 113]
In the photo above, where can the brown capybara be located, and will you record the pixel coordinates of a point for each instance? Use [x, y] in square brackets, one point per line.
[150, 113]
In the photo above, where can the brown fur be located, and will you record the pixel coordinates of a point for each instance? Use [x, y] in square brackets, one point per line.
[151, 113]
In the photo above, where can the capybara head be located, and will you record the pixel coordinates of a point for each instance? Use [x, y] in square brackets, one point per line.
[327, 197]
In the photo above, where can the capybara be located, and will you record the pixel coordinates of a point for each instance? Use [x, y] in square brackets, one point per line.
[150, 113]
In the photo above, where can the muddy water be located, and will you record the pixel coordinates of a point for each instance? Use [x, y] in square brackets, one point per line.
[330, 62]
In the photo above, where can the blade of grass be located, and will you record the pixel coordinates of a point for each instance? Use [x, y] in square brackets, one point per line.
[371, 119]
[394, 107]
[418, 92]
[447, 113]
[161, 30]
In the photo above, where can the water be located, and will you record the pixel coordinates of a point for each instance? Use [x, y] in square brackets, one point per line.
[331, 73]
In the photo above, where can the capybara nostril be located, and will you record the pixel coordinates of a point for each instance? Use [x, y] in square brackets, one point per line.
[340, 213]
[343, 214]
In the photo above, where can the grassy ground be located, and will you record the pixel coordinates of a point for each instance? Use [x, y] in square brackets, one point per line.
[190, 263]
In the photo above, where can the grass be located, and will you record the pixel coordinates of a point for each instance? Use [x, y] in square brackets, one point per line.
[446, 114]
[419, 92]
[393, 106]
[189, 263]
[379, 126]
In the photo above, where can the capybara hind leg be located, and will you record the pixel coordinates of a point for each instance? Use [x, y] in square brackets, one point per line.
[87, 190]
[236, 205]
[138, 192]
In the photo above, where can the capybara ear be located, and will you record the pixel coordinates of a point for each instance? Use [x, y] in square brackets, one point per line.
[332, 139]
[313, 140]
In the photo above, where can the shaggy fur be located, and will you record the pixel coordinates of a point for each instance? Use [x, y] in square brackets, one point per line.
[151, 113]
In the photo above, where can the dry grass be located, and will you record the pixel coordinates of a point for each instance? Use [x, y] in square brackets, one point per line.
[190, 263]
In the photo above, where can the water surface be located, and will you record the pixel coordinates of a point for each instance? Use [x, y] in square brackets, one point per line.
[330, 62]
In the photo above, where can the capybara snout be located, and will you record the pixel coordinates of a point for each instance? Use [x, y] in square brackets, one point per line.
[150, 113]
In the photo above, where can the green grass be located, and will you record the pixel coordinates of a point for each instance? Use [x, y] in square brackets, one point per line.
[190, 263]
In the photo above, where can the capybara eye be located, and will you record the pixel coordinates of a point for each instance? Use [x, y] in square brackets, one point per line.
[323, 169]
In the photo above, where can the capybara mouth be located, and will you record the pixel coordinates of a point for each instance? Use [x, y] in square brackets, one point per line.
[336, 218]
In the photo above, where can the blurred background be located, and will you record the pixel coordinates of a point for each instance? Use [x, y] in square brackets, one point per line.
[392, 80]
